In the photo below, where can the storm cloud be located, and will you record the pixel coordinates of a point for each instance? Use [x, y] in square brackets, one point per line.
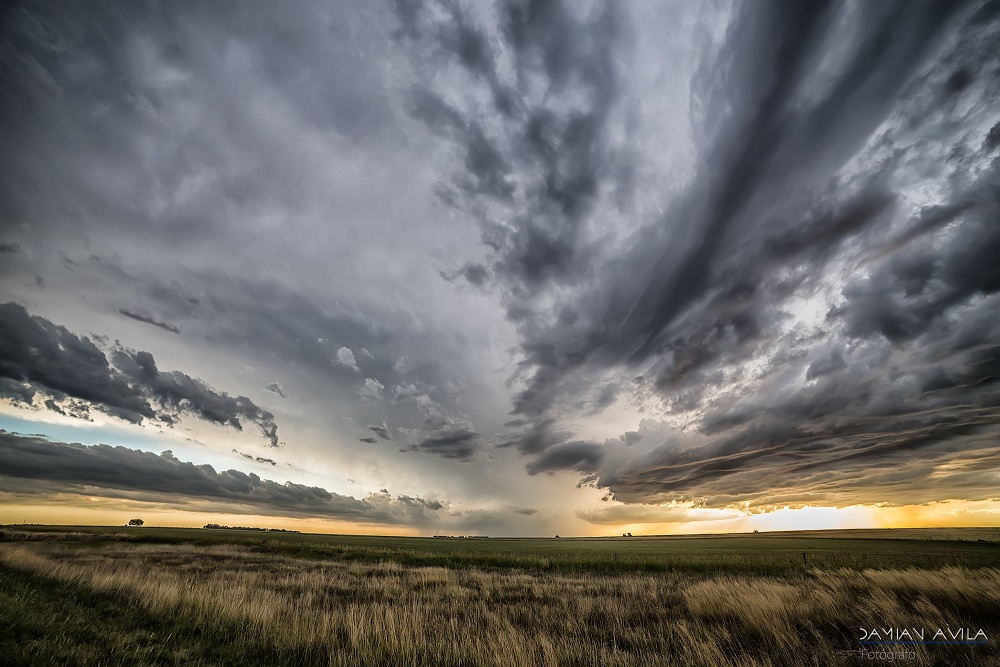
[801, 187]
[74, 468]
[695, 255]
[166, 326]
[49, 359]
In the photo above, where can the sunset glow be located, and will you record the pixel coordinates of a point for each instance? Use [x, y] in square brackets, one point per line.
[501, 269]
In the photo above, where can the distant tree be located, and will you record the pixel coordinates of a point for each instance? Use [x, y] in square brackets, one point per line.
[557, 537]
[135, 522]
[630, 534]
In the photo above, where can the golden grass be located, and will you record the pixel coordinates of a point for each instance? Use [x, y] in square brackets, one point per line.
[340, 613]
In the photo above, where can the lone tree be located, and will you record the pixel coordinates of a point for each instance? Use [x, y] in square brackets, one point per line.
[135, 522]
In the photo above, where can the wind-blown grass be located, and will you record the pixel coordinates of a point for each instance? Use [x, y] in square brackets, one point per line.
[233, 604]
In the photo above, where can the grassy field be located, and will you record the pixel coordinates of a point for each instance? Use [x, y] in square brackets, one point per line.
[159, 596]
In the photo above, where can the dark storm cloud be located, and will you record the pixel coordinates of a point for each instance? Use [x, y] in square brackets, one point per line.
[992, 139]
[16, 392]
[813, 121]
[50, 359]
[579, 456]
[459, 444]
[381, 430]
[540, 436]
[247, 175]
[766, 145]
[476, 274]
[57, 467]
[370, 441]
[10, 248]
[149, 320]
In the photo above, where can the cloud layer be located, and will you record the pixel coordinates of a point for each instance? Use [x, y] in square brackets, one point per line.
[689, 254]
[39, 357]
[58, 467]
[813, 121]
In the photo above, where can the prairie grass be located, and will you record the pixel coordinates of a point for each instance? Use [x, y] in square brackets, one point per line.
[233, 604]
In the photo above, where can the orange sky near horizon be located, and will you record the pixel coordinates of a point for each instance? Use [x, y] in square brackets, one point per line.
[110, 512]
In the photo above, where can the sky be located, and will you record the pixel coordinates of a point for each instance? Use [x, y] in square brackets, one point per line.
[520, 268]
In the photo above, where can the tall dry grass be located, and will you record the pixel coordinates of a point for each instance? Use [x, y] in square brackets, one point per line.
[339, 613]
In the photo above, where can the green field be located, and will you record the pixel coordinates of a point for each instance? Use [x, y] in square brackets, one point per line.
[764, 553]
[174, 596]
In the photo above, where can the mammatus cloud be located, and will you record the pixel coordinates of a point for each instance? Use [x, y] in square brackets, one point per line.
[40, 357]
[38, 466]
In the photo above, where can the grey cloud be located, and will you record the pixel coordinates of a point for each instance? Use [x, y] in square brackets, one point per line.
[149, 320]
[992, 139]
[381, 430]
[546, 131]
[10, 248]
[432, 505]
[19, 393]
[459, 444]
[256, 459]
[475, 274]
[370, 441]
[51, 359]
[539, 437]
[182, 393]
[700, 292]
[525, 511]
[672, 259]
[275, 388]
[826, 365]
[291, 329]
[582, 457]
[835, 440]
[75, 468]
